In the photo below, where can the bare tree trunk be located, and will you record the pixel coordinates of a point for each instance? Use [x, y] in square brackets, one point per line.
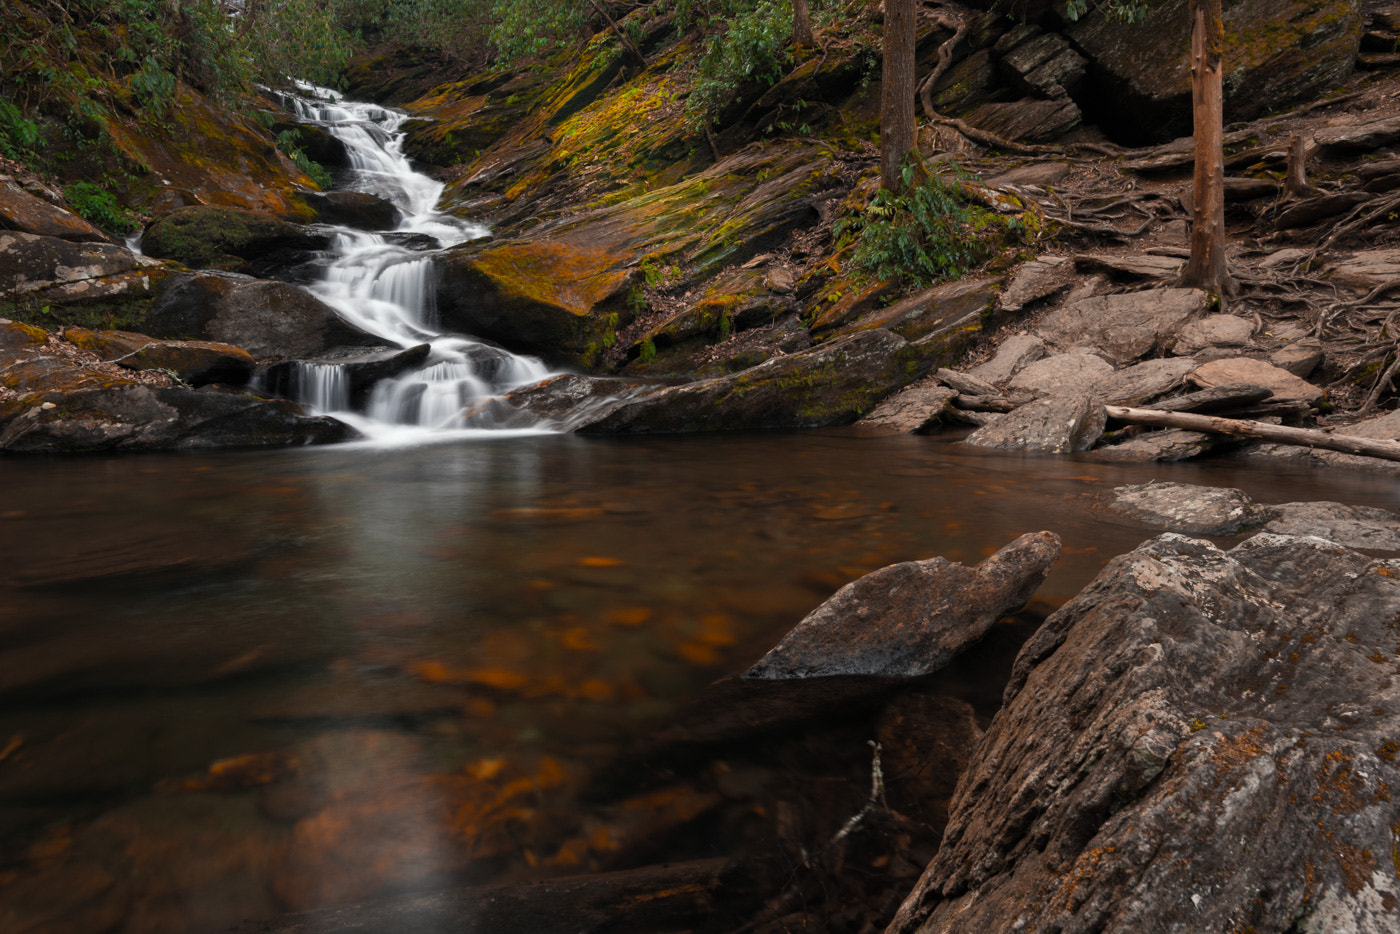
[897, 92]
[1240, 428]
[802, 36]
[1206, 268]
[1296, 181]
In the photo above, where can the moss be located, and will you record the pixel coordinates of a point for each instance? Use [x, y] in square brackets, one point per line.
[127, 315]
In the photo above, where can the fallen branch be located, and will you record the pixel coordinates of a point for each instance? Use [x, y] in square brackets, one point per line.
[1303, 437]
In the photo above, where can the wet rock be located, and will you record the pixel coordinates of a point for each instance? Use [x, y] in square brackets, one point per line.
[268, 319]
[926, 742]
[364, 366]
[1277, 52]
[1183, 507]
[195, 362]
[1123, 327]
[1363, 527]
[909, 412]
[357, 209]
[1212, 331]
[22, 211]
[831, 384]
[1169, 445]
[562, 402]
[146, 418]
[910, 619]
[232, 239]
[1055, 425]
[1062, 374]
[1181, 746]
[1247, 371]
[1015, 353]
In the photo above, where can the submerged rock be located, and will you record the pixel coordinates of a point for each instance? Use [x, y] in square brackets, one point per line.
[1200, 741]
[832, 384]
[910, 619]
[1183, 507]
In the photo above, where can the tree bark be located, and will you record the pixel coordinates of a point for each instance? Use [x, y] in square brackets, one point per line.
[802, 36]
[1296, 182]
[1206, 268]
[897, 92]
[627, 44]
[1239, 428]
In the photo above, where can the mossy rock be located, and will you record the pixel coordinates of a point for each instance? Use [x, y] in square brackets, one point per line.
[232, 239]
[194, 362]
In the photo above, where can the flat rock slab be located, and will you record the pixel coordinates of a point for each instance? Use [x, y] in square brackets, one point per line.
[909, 412]
[1212, 331]
[1062, 374]
[195, 362]
[19, 210]
[1247, 371]
[1169, 445]
[1363, 527]
[1015, 353]
[1055, 424]
[1142, 266]
[1183, 507]
[1365, 269]
[1036, 280]
[912, 618]
[1124, 327]
[1201, 740]
[1140, 382]
[1350, 139]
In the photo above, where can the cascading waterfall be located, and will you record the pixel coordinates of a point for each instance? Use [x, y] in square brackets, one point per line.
[388, 289]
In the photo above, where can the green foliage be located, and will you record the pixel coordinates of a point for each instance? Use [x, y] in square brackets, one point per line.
[756, 48]
[1134, 11]
[289, 143]
[646, 351]
[930, 231]
[98, 205]
[18, 135]
[535, 27]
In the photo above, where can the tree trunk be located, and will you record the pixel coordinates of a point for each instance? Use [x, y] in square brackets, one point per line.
[802, 36]
[628, 45]
[1296, 181]
[1206, 268]
[1262, 431]
[897, 92]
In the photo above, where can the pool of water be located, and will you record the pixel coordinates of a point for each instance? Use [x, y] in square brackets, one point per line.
[240, 684]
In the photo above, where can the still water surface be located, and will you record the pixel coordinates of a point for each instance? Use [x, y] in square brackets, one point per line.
[242, 684]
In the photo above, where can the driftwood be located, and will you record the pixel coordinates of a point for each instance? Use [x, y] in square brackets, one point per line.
[1304, 437]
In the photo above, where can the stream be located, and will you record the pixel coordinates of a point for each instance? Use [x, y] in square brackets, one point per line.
[236, 685]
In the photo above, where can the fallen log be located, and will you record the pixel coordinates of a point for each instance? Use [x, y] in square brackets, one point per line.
[1304, 437]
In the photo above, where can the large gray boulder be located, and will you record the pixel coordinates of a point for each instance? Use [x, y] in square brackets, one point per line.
[910, 619]
[1200, 741]
[1125, 327]
[1054, 425]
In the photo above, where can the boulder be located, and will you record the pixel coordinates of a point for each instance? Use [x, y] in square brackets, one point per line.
[555, 298]
[1201, 740]
[22, 211]
[1013, 355]
[49, 270]
[1169, 445]
[1037, 280]
[233, 239]
[268, 319]
[147, 418]
[1062, 374]
[1183, 507]
[1363, 527]
[1123, 327]
[1143, 381]
[560, 402]
[1277, 52]
[912, 411]
[1055, 424]
[1247, 371]
[358, 209]
[831, 384]
[1131, 267]
[1365, 269]
[910, 619]
[1212, 331]
[1299, 358]
[195, 362]
[948, 305]
[1350, 139]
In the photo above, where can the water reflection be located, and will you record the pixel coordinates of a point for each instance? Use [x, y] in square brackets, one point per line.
[246, 684]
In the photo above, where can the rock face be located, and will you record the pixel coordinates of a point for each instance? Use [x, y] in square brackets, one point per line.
[1200, 741]
[268, 319]
[22, 211]
[910, 619]
[832, 384]
[1277, 52]
[232, 239]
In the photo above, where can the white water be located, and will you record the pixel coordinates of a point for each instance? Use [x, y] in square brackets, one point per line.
[389, 290]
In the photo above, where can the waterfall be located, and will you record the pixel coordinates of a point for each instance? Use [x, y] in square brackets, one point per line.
[389, 290]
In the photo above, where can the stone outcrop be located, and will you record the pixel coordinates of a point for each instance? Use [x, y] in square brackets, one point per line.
[22, 211]
[235, 240]
[195, 362]
[910, 619]
[1201, 740]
